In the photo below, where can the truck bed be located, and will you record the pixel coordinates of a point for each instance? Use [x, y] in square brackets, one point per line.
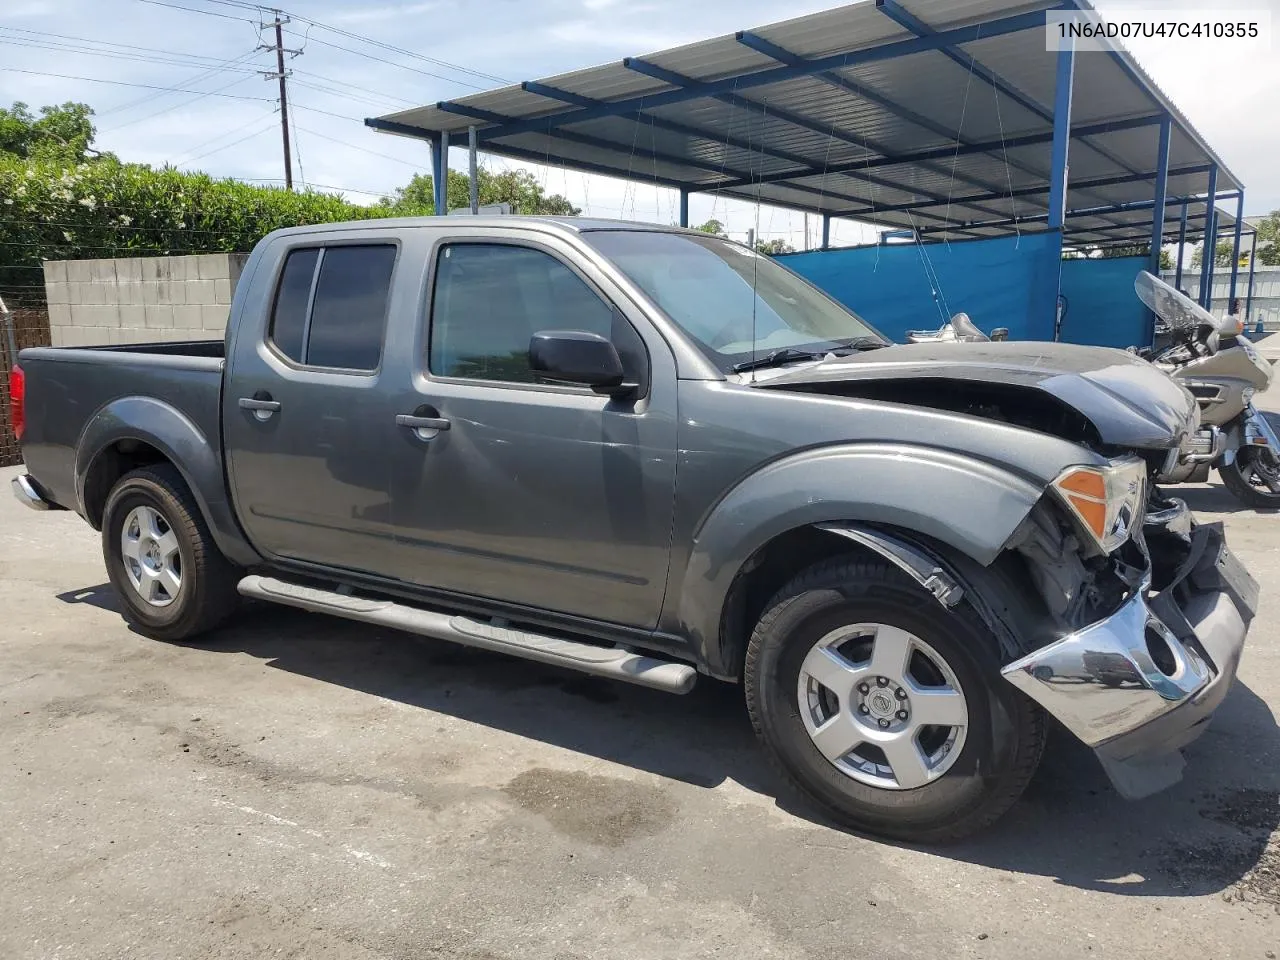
[68, 387]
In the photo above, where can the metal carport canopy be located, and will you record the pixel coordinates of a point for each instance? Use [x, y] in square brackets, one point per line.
[932, 115]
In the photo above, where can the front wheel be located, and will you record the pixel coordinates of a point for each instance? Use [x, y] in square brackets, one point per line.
[161, 558]
[886, 708]
[1253, 477]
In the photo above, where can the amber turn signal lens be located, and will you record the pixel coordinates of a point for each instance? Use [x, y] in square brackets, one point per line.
[1085, 482]
[1093, 513]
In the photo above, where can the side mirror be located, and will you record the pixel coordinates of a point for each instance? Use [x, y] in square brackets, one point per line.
[579, 357]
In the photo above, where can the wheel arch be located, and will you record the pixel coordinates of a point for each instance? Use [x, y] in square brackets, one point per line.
[799, 511]
[132, 432]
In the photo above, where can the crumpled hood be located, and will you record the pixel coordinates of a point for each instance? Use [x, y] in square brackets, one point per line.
[1129, 402]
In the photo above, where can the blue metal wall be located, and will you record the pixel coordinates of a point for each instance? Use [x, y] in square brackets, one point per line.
[901, 287]
[999, 283]
[1102, 308]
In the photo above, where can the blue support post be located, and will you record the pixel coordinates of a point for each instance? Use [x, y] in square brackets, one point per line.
[684, 207]
[1158, 213]
[1051, 284]
[1210, 240]
[1253, 258]
[1182, 240]
[826, 231]
[440, 174]
[1235, 248]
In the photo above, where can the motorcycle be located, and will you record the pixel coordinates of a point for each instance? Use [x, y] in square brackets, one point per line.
[959, 329]
[1223, 370]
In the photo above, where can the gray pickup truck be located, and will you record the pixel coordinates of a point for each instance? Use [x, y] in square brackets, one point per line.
[648, 454]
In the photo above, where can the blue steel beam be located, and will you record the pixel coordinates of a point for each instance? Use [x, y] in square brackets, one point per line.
[826, 232]
[1210, 241]
[1078, 212]
[947, 153]
[994, 28]
[805, 123]
[520, 153]
[1153, 94]
[1162, 194]
[1050, 284]
[1182, 240]
[782, 55]
[1063, 86]
[1253, 258]
[1033, 191]
[684, 208]
[1235, 248]
[903, 18]
[555, 93]
[440, 174]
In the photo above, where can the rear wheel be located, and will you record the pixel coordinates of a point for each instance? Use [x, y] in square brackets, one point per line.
[1253, 477]
[886, 708]
[161, 558]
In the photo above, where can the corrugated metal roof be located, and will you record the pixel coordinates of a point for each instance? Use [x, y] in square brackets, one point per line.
[893, 126]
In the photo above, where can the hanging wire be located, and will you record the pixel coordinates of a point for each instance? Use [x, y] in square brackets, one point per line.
[1008, 171]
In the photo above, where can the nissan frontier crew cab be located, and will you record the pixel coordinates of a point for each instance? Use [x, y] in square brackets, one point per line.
[648, 454]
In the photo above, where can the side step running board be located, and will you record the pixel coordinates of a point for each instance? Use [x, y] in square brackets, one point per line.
[611, 662]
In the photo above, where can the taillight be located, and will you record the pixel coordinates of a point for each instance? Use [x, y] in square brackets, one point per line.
[17, 400]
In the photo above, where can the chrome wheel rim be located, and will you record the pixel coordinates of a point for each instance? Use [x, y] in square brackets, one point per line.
[882, 706]
[1260, 468]
[152, 560]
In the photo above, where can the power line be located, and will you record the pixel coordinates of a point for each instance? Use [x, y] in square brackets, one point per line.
[39, 36]
[375, 153]
[228, 146]
[354, 86]
[122, 83]
[370, 56]
[207, 13]
[195, 78]
[177, 106]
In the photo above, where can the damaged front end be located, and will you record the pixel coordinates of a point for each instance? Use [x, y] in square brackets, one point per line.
[1154, 632]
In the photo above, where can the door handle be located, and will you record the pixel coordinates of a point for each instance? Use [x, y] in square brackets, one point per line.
[252, 403]
[261, 408]
[424, 428]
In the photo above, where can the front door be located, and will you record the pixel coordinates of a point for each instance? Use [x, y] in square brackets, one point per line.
[306, 425]
[527, 492]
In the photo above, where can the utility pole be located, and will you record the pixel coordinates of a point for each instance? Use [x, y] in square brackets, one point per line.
[279, 20]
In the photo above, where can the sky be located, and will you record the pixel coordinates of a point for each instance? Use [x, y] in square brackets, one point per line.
[182, 85]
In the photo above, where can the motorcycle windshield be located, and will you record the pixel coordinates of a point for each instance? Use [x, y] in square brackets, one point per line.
[1174, 308]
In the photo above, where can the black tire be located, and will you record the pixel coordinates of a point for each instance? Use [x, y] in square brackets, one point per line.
[208, 580]
[1258, 498]
[1006, 730]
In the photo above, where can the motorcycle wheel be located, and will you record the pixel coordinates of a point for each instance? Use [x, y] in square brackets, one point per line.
[1253, 477]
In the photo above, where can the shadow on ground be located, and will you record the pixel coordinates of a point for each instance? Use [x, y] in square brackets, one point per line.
[1206, 835]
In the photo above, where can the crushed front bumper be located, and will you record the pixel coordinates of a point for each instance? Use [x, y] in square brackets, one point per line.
[1142, 683]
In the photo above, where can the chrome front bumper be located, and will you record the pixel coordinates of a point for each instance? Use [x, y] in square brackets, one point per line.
[1141, 683]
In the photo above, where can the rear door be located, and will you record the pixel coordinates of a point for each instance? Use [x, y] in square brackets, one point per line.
[306, 424]
[537, 494]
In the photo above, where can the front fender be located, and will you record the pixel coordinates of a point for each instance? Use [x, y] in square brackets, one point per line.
[168, 430]
[967, 504]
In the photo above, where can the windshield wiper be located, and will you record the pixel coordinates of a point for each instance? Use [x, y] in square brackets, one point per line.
[857, 343]
[776, 358]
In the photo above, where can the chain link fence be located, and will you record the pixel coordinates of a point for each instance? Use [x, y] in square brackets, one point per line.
[30, 327]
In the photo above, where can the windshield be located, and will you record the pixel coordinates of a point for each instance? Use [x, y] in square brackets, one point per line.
[736, 304]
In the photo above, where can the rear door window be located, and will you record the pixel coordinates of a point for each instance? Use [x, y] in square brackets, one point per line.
[331, 306]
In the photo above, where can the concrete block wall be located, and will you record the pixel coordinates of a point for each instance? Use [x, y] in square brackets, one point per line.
[140, 299]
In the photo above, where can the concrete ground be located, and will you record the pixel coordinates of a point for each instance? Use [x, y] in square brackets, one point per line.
[302, 787]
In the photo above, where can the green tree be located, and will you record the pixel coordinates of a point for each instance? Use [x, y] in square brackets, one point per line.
[61, 133]
[1221, 255]
[713, 227]
[774, 247]
[516, 187]
[1267, 243]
